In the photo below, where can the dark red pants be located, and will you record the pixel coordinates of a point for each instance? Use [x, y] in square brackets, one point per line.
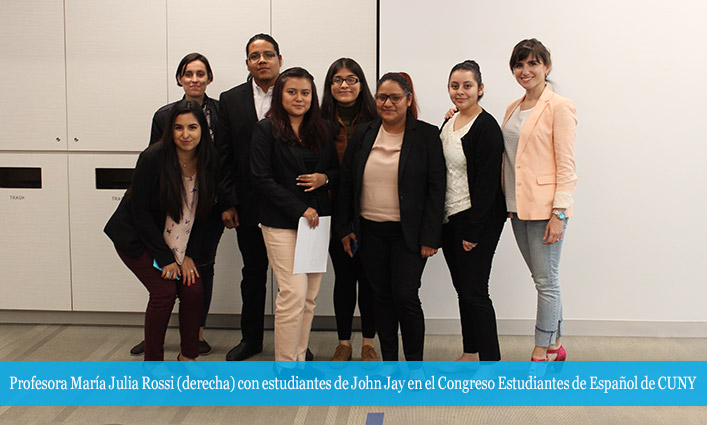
[163, 293]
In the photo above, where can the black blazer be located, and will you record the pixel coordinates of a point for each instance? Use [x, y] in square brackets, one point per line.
[138, 222]
[483, 149]
[421, 182]
[234, 133]
[275, 167]
[161, 118]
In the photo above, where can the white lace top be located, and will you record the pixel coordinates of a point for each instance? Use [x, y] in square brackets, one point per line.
[457, 198]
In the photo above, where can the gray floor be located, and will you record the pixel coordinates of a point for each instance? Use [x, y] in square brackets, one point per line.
[52, 342]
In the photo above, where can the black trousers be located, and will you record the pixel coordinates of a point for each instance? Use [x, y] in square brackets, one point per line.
[348, 271]
[253, 285]
[470, 275]
[394, 272]
[206, 269]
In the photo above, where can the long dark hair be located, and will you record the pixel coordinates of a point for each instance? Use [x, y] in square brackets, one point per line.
[405, 82]
[172, 195]
[365, 106]
[312, 131]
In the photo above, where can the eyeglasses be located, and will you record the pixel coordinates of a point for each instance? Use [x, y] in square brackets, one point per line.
[254, 57]
[394, 98]
[337, 81]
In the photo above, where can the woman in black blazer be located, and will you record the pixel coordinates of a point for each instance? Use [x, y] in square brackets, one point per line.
[294, 162]
[163, 224]
[348, 103]
[475, 208]
[193, 75]
[392, 189]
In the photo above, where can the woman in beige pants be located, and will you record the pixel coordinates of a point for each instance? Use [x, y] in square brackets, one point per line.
[294, 163]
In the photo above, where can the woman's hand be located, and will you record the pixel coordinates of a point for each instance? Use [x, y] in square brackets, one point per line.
[553, 230]
[311, 181]
[230, 218]
[189, 271]
[450, 113]
[427, 252]
[312, 217]
[346, 241]
[468, 246]
[171, 271]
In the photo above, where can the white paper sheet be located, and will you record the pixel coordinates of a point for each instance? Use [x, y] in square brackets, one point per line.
[312, 247]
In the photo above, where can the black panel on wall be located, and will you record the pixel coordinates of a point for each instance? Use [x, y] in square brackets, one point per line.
[21, 177]
[113, 178]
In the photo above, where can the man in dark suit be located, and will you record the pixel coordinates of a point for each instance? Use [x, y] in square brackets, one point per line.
[240, 108]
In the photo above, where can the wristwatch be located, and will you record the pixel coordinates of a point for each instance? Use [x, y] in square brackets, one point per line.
[560, 214]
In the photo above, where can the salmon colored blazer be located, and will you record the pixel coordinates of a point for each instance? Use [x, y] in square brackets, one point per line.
[545, 170]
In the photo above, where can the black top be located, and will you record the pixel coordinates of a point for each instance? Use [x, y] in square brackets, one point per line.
[275, 167]
[483, 149]
[161, 118]
[421, 182]
[138, 223]
[347, 114]
[234, 132]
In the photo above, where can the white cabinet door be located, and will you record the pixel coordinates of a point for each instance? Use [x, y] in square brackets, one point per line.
[33, 84]
[219, 30]
[100, 280]
[34, 213]
[116, 64]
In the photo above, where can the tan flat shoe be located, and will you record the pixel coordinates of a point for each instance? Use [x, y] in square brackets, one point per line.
[342, 353]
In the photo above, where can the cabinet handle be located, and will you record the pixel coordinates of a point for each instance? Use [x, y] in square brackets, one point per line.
[58, 139]
[76, 139]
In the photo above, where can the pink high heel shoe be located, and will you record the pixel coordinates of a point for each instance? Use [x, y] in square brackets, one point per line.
[561, 353]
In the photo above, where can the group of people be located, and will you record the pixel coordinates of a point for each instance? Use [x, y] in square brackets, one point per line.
[267, 154]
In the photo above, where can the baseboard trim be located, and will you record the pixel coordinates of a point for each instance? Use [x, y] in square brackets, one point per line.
[434, 326]
[579, 327]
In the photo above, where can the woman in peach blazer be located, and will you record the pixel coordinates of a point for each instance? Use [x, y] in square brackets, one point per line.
[539, 179]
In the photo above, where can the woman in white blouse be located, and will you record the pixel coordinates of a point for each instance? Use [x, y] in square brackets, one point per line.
[474, 210]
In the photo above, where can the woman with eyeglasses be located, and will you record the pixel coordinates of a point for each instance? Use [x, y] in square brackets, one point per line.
[347, 102]
[474, 208]
[161, 228]
[293, 161]
[539, 179]
[392, 189]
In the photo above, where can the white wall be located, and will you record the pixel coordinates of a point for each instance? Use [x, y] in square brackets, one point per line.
[634, 251]
[635, 70]
[85, 81]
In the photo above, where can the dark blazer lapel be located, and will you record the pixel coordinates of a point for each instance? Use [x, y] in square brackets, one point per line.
[366, 145]
[246, 97]
[408, 140]
[323, 157]
[295, 157]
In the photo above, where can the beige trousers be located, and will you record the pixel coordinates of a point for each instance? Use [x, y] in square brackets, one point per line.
[296, 295]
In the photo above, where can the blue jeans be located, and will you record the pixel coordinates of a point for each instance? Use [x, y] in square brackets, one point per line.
[544, 263]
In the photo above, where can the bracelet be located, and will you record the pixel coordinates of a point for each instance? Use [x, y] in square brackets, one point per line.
[559, 214]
